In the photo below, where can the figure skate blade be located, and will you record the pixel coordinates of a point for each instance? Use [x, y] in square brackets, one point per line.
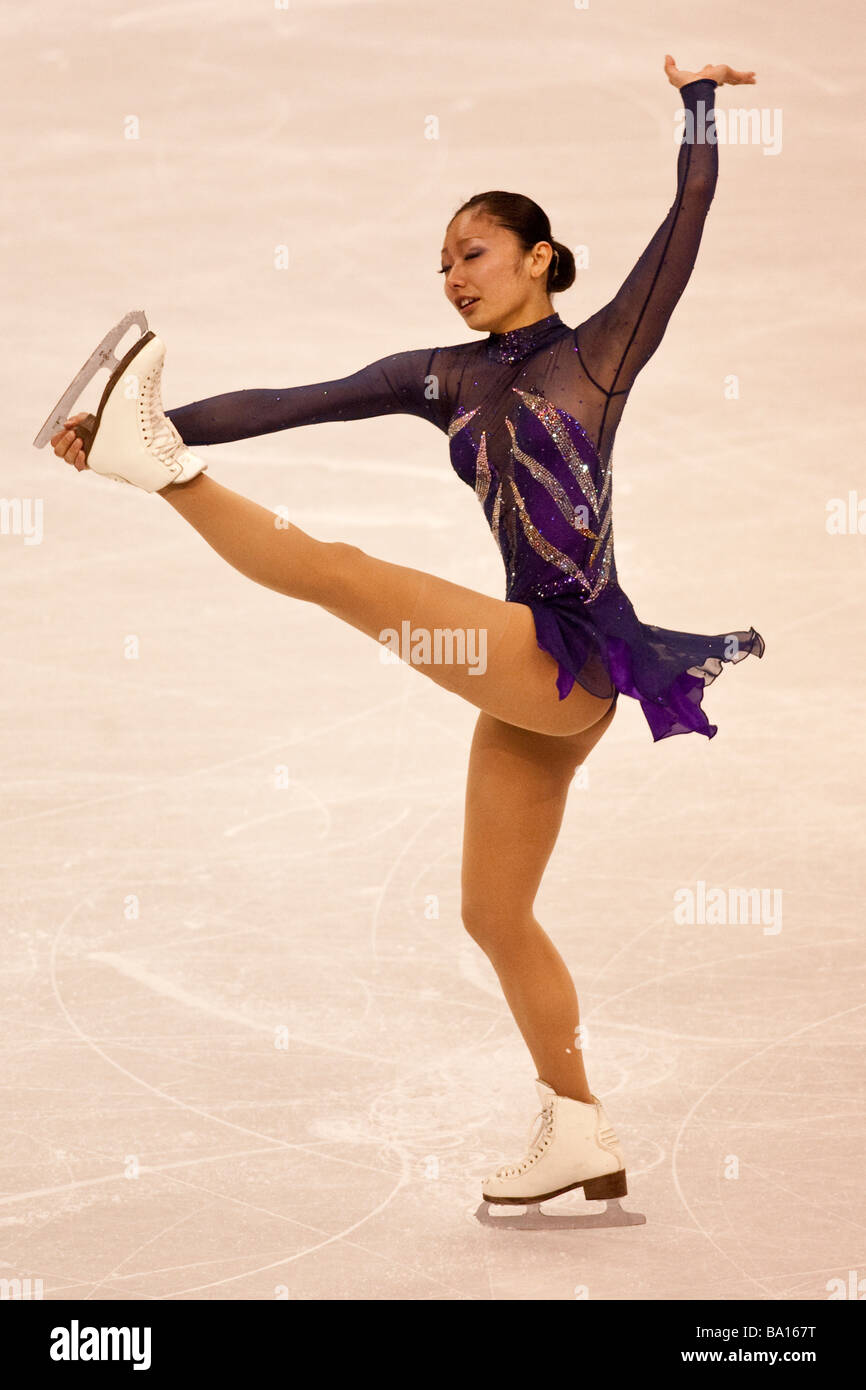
[103, 356]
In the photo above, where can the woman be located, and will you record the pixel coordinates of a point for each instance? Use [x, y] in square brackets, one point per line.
[531, 413]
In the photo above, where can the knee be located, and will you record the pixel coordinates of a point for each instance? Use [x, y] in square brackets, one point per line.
[334, 565]
[474, 920]
[493, 929]
[342, 552]
[340, 558]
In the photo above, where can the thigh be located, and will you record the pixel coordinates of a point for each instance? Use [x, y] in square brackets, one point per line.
[516, 794]
[503, 671]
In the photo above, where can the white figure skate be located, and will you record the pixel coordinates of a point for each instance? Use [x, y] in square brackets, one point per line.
[129, 439]
[571, 1145]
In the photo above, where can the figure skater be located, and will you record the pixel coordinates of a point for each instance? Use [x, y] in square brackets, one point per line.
[531, 412]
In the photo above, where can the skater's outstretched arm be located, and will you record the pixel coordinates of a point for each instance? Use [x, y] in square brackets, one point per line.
[616, 342]
[405, 384]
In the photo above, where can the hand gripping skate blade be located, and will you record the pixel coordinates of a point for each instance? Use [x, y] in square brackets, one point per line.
[103, 356]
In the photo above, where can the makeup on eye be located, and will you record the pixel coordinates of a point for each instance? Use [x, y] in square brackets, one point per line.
[471, 255]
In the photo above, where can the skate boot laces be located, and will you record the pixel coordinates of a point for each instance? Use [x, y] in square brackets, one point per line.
[540, 1135]
[160, 436]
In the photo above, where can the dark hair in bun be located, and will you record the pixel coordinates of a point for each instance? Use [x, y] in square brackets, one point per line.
[530, 224]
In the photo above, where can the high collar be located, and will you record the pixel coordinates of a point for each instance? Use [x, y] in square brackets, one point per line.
[518, 343]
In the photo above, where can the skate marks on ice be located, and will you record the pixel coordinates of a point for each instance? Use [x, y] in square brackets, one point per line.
[417, 1118]
[536, 1216]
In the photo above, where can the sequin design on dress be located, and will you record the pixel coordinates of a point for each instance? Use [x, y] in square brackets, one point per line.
[482, 471]
[594, 504]
[476, 473]
[567, 522]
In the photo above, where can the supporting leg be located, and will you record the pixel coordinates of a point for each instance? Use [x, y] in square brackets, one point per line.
[515, 799]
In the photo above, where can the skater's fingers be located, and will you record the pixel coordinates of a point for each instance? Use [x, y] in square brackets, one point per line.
[73, 420]
[75, 456]
[63, 443]
[68, 446]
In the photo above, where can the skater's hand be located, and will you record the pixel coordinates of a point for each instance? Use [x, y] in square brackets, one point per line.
[67, 445]
[719, 73]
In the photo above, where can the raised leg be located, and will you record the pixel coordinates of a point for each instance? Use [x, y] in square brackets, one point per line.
[518, 682]
[515, 799]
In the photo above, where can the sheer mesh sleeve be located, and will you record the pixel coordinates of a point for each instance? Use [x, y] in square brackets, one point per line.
[620, 339]
[406, 383]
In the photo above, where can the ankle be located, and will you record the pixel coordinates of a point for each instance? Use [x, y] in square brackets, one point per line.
[575, 1093]
[570, 1090]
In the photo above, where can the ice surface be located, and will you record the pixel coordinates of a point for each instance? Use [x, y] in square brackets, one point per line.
[172, 899]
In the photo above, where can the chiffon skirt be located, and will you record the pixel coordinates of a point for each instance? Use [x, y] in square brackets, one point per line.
[604, 647]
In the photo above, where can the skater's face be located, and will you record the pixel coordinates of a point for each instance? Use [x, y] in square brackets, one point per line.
[485, 263]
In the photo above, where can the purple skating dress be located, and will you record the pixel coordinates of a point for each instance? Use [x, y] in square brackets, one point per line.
[531, 417]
